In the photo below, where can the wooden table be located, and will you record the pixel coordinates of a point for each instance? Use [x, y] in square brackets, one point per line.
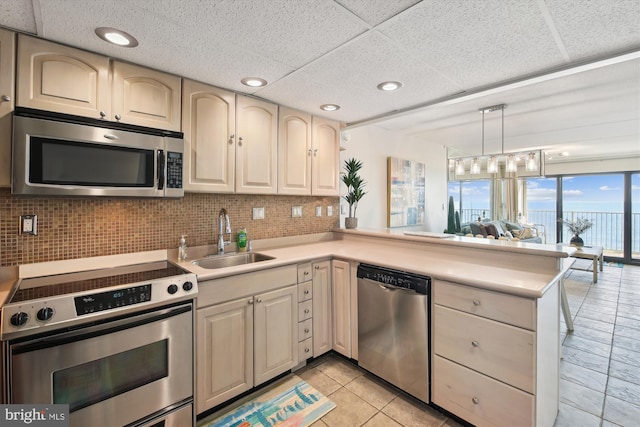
[594, 253]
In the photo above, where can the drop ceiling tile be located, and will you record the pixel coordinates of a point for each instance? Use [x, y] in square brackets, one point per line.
[597, 27]
[475, 42]
[289, 32]
[373, 12]
[18, 15]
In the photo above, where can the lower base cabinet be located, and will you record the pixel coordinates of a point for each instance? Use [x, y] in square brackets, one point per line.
[243, 343]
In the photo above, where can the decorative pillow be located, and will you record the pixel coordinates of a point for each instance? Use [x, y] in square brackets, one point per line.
[513, 226]
[508, 235]
[499, 228]
[483, 230]
[475, 228]
[527, 233]
[491, 230]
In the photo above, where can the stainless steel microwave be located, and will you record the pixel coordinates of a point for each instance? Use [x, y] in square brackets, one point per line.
[61, 155]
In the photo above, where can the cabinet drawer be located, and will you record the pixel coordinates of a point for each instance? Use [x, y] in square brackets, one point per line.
[305, 310]
[505, 308]
[305, 291]
[478, 399]
[305, 329]
[304, 272]
[305, 349]
[501, 351]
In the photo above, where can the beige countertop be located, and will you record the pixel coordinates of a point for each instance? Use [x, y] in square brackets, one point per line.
[517, 268]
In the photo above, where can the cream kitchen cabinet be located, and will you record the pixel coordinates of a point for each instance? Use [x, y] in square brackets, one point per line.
[305, 313]
[341, 305]
[208, 123]
[247, 333]
[256, 146]
[495, 356]
[322, 319]
[308, 154]
[145, 97]
[62, 79]
[7, 84]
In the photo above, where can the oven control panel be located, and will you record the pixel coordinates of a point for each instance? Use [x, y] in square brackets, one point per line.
[87, 304]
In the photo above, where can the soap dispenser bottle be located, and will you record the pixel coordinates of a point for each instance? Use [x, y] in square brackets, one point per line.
[242, 240]
[182, 249]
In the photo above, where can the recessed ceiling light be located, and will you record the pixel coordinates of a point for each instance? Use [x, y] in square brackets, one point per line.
[116, 37]
[329, 107]
[254, 82]
[389, 86]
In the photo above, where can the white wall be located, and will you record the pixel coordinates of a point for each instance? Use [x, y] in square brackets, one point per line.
[372, 145]
[631, 163]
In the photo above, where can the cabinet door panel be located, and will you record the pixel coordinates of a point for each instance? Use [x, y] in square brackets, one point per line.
[256, 150]
[224, 357]
[62, 79]
[146, 97]
[341, 297]
[325, 158]
[276, 333]
[7, 62]
[294, 152]
[208, 122]
[322, 333]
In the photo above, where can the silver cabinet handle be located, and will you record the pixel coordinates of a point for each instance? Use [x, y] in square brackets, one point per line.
[306, 291]
[306, 273]
[259, 300]
[306, 311]
[475, 343]
[476, 302]
[306, 330]
[309, 152]
[315, 152]
[103, 114]
[475, 400]
[240, 141]
[306, 350]
[5, 98]
[250, 301]
[317, 267]
[118, 117]
[110, 136]
[231, 139]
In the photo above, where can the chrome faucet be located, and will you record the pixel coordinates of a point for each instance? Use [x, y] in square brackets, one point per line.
[223, 224]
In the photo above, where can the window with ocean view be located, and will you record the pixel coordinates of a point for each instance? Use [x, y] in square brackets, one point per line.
[635, 216]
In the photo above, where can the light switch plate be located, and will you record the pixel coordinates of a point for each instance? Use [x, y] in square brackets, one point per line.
[296, 211]
[258, 213]
[29, 224]
[329, 210]
[318, 210]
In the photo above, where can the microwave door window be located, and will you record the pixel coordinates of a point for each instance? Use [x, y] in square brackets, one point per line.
[86, 164]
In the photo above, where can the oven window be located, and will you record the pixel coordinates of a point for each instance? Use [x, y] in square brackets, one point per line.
[83, 385]
[53, 161]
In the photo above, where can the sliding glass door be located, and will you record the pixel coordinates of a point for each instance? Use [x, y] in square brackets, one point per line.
[634, 234]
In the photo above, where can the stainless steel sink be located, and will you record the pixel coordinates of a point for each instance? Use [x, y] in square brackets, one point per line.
[230, 260]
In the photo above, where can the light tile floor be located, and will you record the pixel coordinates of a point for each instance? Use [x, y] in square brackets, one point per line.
[600, 370]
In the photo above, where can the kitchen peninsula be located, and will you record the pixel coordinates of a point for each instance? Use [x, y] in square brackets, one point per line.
[503, 295]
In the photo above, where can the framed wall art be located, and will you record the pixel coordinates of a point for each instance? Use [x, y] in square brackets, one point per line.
[405, 192]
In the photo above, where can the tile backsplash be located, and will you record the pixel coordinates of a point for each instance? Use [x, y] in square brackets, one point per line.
[84, 227]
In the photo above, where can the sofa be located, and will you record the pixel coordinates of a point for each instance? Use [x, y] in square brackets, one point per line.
[502, 229]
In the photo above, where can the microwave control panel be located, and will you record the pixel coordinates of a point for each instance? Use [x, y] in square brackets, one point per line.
[174, 169]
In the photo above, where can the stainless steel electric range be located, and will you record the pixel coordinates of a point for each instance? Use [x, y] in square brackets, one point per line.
[114, 344]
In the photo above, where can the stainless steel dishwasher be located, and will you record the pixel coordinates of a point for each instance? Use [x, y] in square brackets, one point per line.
[393, 327]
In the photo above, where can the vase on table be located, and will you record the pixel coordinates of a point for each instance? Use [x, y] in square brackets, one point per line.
[351, 222]
[576, 241]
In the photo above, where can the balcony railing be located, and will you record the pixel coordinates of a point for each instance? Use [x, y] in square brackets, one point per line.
[607, 230]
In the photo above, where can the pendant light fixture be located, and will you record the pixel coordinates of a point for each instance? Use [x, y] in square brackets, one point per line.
[531, 163]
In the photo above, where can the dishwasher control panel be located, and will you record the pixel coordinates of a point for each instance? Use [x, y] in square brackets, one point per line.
[395, 278]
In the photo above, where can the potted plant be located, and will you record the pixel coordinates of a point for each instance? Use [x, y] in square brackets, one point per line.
[355, 189]
[577, 228]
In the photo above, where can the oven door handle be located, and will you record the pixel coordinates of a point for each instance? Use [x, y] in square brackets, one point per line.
[83, 332]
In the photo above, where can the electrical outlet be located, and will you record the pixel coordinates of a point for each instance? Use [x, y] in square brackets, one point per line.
[296, 211]
[29, 224]
[343, 209]
[329, 210]
[258, 213]
[318, 210]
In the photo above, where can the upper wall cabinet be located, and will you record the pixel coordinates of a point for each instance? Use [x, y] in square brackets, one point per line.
[294, 152]
[146, 97]
[308, 154]
[325, 158]
[7, 67]
[58, 78]
[256, 146]
[208, 123]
